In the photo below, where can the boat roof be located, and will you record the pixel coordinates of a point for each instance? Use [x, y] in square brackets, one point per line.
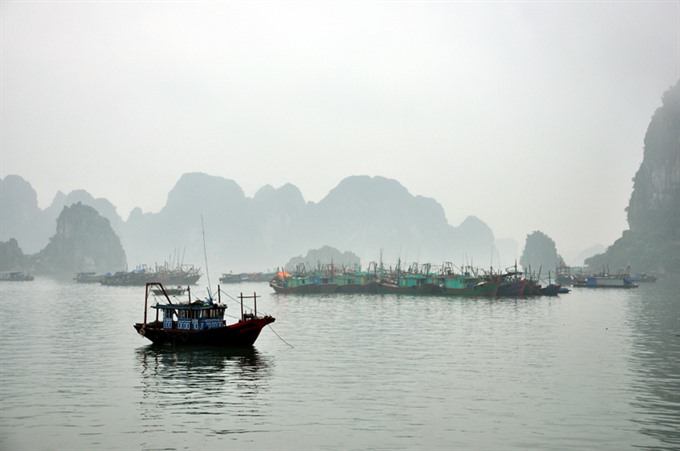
[189, 306]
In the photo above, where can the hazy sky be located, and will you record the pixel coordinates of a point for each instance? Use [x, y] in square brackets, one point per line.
[529, 115]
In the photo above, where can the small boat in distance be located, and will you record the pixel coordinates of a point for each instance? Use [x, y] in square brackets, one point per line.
[88, 277]
[167, 274]
[199, 322]
[170, 291]
[16, 276]
[246, 277]
[606, 281]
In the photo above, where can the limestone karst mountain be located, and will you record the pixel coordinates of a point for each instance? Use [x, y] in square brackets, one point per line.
[84, 241]
[653, 241]
[369, 216]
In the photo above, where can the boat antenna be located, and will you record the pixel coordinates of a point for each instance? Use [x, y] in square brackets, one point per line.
[205, 256]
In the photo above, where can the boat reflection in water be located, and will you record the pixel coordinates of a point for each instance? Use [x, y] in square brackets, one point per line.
[201, 380]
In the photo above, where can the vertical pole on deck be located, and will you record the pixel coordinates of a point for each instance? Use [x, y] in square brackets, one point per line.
[219, 295]
[255, 303]
[241, 306]
[146, 298]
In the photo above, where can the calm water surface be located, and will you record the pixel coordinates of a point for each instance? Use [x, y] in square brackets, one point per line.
[592, 369]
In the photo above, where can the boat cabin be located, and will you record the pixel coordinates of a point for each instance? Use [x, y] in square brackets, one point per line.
[197, 315]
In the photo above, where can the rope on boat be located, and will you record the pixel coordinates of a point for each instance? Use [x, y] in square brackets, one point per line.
[245, 306]
[279, 336]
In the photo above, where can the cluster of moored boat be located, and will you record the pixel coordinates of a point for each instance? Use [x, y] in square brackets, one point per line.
[415, 281]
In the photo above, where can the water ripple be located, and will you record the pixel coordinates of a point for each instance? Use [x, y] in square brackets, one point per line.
[588, 370]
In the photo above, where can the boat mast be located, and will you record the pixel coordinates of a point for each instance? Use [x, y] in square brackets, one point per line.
[205, 256]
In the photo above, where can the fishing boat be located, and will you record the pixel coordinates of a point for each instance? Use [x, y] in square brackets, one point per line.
[179, 275]
[88, 277]
[302, 283]
[410, 284]
[246, 277]
[171, 291]
[416, 280]
[357, 281]
[322, 280]
[511, 283]
[465, 283]
[642, 277]
[552, 289]
[606, 281]
[199, 322]
[468, 286]
[532, 288]
[16, 276]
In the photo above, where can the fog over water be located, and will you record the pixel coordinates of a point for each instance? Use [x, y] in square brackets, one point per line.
[530, 116]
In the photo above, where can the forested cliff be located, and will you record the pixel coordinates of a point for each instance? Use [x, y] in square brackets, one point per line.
[653, 241]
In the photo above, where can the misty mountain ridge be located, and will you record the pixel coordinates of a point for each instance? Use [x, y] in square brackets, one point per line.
[365, 215]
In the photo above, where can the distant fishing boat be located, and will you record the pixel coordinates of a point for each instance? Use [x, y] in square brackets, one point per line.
[551, 289]
[643, 278]
[357, 281]
[414, 281]
[407, 284]
[286, 283]
[246, 277]
[170, 291]
[468, 286]
[179, 275]
[323, 280]
[16, 276]
[512, 284]
[199, 322]
[88, 277]
[606, 281]
[302, 282]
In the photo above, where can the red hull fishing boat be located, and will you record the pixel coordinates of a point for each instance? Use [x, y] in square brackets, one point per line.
[200, 322]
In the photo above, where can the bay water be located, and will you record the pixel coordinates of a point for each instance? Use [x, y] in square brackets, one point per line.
[591, 369]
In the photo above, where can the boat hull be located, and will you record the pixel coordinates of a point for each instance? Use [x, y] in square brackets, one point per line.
[551, 290]
[483, 289]
[606, 282]
[241, 334]
[415, 290]
[356, 288]
[512, 288]
[141, 280]
[16, 276]
[299, 289]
